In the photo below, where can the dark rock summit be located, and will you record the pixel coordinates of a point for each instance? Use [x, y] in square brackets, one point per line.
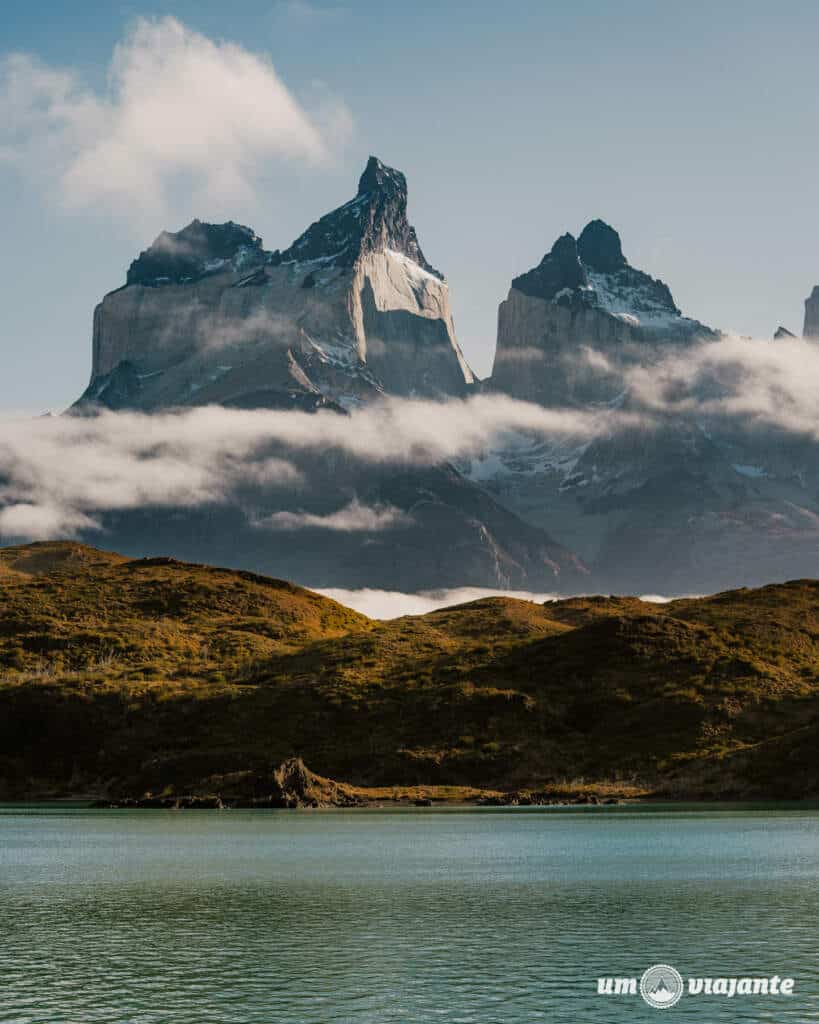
[782, 333]
[181, 256]
[372, 222]
[560, 269]
[599, 247]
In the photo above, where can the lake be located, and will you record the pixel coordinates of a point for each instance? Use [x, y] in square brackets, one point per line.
[465, 916]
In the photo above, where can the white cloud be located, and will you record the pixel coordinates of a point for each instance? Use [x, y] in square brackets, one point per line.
[42, 522]
[741, 383]
[57, 474]
[183, 115]
[307, 14]
[352, 518]
[392, 604]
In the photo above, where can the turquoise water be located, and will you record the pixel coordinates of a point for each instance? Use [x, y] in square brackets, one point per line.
[484, 916]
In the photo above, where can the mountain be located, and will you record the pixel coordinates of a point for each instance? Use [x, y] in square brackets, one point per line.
[680, 503]
[583, 295]
[351, 310]
[124, 677]
[811, 328]
[436, 529]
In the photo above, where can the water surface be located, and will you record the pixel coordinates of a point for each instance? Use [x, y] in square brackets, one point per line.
[465, 916]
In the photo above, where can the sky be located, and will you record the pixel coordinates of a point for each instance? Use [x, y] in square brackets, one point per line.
[691, 128]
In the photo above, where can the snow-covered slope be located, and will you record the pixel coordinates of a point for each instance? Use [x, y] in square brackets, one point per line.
[350, 310]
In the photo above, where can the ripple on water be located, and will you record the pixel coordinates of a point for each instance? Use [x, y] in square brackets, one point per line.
[467, 918]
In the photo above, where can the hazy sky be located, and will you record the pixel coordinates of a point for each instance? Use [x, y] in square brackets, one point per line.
[689, 127]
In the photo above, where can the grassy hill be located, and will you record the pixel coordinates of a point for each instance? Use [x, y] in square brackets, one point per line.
[124, 677]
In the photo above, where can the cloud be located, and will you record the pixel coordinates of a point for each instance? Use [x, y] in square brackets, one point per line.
[182, 115]
[58, 474]
[307, 14]
[41, 522]
[392, 604]
[352, 518]
[745, 383]
[426, 431]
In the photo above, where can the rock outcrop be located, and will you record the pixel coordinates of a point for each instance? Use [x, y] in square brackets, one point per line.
[351, 310]
[583, 296]
[811, 328]
[782, 334]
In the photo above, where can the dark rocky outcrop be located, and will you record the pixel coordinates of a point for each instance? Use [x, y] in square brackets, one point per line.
[811, 328]
[559, 269]
[599, 247]
[372, 222]
[181, 256]
[292, 785]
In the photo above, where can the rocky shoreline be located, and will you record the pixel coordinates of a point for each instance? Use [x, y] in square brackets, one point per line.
[292, 785]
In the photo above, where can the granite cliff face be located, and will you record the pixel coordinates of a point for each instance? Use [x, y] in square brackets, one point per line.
[351, 310]
[583, 295]
[811, 328]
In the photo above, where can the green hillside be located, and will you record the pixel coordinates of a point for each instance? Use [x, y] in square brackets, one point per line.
[123, 677]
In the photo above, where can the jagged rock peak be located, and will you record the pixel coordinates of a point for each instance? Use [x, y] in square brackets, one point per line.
[811, 329]
[375, 220]
[599, 247]
[378, 176]
[593, 272]
[559, 270]
[179, 256]
[781, 333]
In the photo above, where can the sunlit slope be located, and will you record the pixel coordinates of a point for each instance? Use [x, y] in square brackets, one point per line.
[132, 676]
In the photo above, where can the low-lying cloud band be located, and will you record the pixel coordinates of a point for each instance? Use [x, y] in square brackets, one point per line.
[59, 474]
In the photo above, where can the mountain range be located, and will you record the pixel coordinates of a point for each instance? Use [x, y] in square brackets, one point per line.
[352, 313]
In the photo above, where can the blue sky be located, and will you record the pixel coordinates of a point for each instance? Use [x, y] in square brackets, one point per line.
[690, 127]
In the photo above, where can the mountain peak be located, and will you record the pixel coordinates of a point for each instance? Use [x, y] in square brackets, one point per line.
[560, 269]
[176, 256]
[375, 220]
[378, 177]
[599, 247]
